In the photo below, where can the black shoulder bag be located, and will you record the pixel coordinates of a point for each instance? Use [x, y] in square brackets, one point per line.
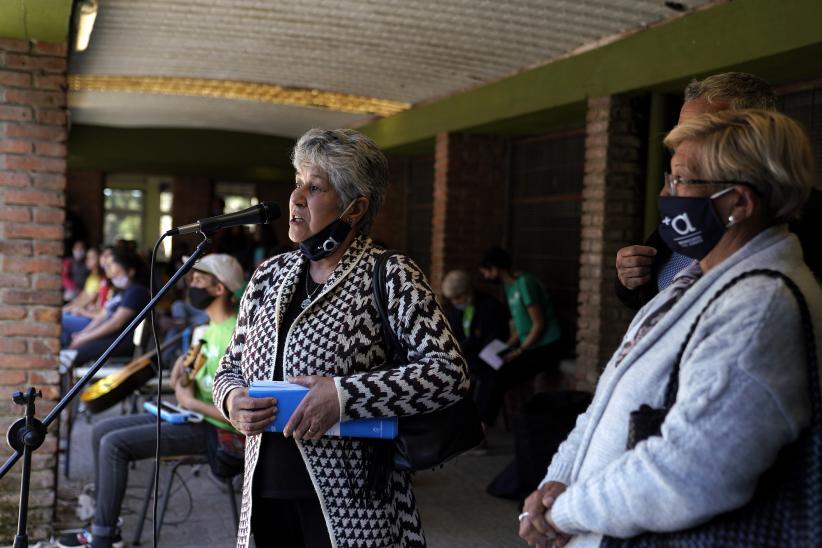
[786, 508]
[428, 440]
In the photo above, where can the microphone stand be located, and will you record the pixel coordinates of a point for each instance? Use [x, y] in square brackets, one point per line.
[28, 433]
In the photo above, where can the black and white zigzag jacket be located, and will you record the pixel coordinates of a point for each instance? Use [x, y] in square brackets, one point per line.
[338, 335]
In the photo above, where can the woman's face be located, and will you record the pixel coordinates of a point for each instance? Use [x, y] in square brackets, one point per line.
[114, 269]
[313, 204]
[105, 257]
[92, 259]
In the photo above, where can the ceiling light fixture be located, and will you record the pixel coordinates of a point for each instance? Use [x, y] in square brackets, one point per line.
[85, 14]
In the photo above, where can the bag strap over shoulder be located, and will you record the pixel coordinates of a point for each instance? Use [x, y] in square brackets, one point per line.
[381, 301]
[807, 332]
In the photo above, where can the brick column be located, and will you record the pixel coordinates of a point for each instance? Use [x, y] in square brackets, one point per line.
[611, 218]
[469, 201]
[32, 183]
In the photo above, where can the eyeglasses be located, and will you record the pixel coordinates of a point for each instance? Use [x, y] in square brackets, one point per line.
[673, 181]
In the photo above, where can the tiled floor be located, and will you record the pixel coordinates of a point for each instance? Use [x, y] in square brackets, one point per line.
[456, 511]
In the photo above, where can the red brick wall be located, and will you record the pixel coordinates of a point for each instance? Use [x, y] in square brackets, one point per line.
[32, 183]
[390, 225]
[611, 218]
[469, 201]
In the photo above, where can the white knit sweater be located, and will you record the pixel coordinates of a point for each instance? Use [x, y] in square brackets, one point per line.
[742, 396]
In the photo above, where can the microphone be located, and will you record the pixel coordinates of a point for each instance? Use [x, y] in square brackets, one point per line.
[260, 214]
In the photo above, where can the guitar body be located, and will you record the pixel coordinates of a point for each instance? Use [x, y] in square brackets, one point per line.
[114, 388]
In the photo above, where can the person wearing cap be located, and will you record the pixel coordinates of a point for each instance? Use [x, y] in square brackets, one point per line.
[118, 441]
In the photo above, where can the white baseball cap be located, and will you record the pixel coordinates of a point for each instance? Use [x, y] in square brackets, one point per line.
[223, 267]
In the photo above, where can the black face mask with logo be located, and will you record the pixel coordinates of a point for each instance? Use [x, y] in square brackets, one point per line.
[690, 226]
[199, 297]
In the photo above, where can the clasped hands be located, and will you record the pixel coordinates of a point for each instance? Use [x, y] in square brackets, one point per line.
[535, 525]
[319, 410]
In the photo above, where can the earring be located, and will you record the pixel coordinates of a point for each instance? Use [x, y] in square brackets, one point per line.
[731, 220]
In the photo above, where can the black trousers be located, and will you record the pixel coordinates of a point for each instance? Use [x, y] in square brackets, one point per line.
[493, 384]
[288, 523]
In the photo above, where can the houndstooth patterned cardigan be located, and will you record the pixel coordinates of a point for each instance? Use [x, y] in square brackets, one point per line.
[339, 335]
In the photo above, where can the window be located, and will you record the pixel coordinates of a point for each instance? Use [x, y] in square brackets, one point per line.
[123, 215]
[237, 196]
[166, 201]
[546, 207]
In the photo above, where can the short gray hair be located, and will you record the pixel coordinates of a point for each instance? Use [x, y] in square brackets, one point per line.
[763, 148]
[353, 163]
[456, 284]
[740, 89]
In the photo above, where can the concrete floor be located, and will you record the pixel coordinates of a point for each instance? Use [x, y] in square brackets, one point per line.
[456, 511]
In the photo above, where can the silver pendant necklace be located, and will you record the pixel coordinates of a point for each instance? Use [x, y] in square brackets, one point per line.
[309, 296]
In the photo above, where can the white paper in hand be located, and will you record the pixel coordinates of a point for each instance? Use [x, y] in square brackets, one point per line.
[491, 353]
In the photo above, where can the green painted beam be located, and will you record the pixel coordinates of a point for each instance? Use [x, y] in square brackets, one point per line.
[40, 20]
[241, 156]
[723, 37]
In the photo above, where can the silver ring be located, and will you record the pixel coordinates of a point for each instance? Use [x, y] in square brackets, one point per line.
[523, 515]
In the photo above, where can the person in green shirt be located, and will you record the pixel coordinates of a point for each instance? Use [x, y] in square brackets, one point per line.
[209, 293]
[534, 341]
[118, 441]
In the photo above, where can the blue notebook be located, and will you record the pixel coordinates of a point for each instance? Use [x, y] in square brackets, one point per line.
[290, 395]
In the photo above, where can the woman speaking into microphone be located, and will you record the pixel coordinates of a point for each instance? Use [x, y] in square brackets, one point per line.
[309, 317]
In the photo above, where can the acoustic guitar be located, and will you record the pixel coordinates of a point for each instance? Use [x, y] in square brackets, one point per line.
[115, 387]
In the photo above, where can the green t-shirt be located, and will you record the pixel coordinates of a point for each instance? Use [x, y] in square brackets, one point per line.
[522, 293]
[216, 336]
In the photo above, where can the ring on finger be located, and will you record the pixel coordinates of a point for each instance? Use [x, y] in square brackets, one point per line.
[523, 516]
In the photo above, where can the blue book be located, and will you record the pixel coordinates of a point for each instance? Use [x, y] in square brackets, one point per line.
[289, 396]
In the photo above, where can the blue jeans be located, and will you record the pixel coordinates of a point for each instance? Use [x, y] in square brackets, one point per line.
[71, 325]
[118, 441]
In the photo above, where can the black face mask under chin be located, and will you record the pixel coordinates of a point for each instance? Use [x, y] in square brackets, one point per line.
[326, 241]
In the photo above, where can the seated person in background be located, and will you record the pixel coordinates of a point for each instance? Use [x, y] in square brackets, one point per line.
[79, 312]
[130, 298]
[476, 319]
[534, 339]
[74, 271]
[117, 441]
[736, 179]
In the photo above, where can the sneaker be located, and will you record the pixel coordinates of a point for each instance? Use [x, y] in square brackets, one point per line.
[82, 537]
